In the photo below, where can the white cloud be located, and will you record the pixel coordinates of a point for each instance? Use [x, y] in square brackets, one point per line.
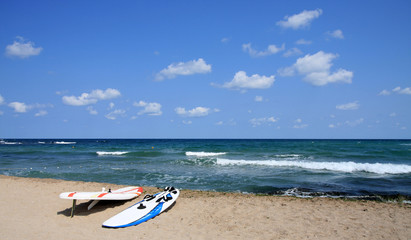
[303, 42]
[230, 122]
[348, 106]
[332, 125]
[38, 105]
[271, 49]
[355, 122]
[114, 114]
[292, 52]
[384, 93]
[265, 120]
[109, 93]
[299, 124]
[41, 113]
[152, 109]
[22, 49]
[61, 92]
[241, 80]
[316, 69]
[300, 20]
[184, 68]
[258, 98]
[19, 107]
[195, 112]
[393, 114]
[188, 122]
[91, 110]
[319, 62]
[91, 98]
[225, 40]
[406, 91]
[1, 100]
[399, 90]
[336, 34]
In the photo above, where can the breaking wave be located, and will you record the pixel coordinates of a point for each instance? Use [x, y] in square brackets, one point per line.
[379, 168]
[111, 153]
[205, 154]
[10, 143]
[62, 142]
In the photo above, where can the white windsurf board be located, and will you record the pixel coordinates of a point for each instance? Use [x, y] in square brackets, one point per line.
[126, 193]
[119, 194]
[150, 207]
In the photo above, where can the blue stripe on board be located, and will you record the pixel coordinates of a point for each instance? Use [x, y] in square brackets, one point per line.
[147, 217]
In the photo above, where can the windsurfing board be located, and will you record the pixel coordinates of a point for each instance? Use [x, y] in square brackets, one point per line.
[150, 207]
[126, 193]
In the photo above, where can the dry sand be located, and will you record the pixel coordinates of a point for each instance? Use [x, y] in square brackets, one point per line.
[31, 209]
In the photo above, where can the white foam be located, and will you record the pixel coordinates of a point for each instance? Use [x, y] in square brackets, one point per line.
[62, 142]
[379, 168]
[9, 143]
[205, 154]
[12, 143]
[297, 193]
[288, 155]
[116, 168]
[111, 153]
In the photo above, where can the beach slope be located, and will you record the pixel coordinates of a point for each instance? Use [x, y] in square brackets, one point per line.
[31, 209]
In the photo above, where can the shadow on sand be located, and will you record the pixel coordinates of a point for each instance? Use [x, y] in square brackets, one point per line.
[81, 208]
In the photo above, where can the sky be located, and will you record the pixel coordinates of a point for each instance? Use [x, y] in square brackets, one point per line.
[205, 69]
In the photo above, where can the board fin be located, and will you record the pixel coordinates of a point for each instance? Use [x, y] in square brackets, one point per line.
[73, 207]
[92, 204]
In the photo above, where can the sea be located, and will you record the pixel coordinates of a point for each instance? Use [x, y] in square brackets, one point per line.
[303, 168]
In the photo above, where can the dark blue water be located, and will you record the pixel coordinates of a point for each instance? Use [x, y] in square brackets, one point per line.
[310, 167]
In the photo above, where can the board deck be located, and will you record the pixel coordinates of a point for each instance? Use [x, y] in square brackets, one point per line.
[126, 193]
[149, 207]
[119, 194]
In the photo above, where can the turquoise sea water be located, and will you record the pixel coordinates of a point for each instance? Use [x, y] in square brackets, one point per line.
[290, 167]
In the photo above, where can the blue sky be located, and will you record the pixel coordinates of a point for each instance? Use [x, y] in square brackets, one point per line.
[205, 69]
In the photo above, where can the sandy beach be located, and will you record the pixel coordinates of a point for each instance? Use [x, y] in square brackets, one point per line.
[31, 209]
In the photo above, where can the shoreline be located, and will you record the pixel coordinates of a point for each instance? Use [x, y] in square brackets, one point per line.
[31, 209]
[293, 192]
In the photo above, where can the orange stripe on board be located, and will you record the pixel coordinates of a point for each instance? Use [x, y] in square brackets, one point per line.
[102, 195]
[71, 194]
[140, 190]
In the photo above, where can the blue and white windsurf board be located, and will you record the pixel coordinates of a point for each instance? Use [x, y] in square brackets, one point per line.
[149, 207]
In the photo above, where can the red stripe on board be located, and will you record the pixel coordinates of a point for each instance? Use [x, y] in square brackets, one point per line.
[102, 195]
[71, 194]
[139, 190]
